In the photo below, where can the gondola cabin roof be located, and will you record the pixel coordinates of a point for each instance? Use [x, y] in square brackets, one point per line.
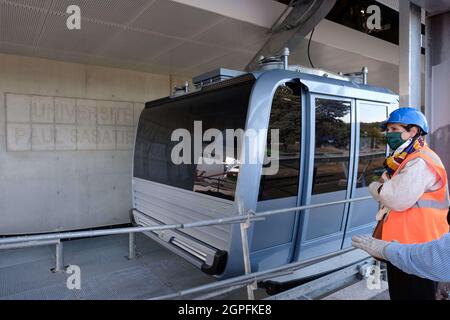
[313, 83]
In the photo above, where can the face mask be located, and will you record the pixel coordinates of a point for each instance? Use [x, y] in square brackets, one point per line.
[394, 140]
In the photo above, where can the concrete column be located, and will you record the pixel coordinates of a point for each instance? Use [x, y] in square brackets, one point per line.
[410, 54]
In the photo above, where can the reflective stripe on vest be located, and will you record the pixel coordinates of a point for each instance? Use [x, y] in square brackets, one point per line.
[434, 204]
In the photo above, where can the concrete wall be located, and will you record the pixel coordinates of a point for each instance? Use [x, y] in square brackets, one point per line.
[66, 139]
[438, 84]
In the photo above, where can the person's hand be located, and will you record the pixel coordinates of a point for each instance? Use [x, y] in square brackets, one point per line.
[374, 187]
[443, 291]
[374, 247]
[382, 213]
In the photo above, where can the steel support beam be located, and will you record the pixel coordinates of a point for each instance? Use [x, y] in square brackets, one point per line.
[291, 30]
[410, 55]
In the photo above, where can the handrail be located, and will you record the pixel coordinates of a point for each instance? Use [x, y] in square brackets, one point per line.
[251, 216]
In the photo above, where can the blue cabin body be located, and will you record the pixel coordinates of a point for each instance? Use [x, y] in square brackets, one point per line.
[330, 148]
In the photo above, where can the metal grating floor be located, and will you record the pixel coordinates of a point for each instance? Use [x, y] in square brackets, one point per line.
[106, 273]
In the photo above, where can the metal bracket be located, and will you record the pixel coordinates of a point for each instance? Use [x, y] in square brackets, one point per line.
[254, 285]
[357, 77]
[180, 90]
[292, 27]
[365, 269]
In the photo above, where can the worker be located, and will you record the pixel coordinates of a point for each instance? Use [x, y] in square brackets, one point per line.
[429, 260]
[413, 191]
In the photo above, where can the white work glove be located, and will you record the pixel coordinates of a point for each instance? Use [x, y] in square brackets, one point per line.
[382, 213]
[373, 189]
[376, 248]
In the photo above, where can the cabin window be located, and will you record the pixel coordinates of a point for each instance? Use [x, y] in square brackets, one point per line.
[286, 117]
[218, 109]
[372, 145]
[332, 146]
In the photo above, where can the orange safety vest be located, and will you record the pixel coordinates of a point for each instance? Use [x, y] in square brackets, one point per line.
[427, 219]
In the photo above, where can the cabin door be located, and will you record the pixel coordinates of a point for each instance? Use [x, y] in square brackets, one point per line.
[370, 154]
[273, 240]
[329, 175]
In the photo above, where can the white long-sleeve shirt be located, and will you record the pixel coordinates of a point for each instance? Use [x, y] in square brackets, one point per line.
[407, 186]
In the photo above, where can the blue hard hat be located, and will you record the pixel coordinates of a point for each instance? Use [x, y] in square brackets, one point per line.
[407, 116]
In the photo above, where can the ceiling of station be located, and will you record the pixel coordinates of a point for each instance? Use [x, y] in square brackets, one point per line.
[149, 35]
[158, 36]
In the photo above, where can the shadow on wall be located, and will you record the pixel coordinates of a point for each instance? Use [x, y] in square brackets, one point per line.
[440, 143]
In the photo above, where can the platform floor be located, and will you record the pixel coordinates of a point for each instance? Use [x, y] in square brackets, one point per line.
[106, 273]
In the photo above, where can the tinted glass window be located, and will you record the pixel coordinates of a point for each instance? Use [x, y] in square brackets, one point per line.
[355, 14]
[286, 117]
[332, 150]
[219, 109]
[372, 145]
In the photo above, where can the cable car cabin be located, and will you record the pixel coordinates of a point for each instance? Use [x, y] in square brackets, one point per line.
[330, 147]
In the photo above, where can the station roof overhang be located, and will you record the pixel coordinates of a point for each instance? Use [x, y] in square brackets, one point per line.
[181, 37]
[433, 7]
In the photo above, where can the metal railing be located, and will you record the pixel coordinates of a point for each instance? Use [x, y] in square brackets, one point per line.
[249, 279]
[244, 219]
